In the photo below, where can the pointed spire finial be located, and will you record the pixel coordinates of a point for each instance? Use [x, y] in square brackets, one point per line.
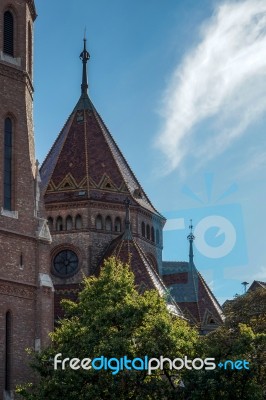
[84, 56]
[191, 239]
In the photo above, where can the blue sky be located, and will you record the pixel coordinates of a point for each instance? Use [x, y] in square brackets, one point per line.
[181, 86]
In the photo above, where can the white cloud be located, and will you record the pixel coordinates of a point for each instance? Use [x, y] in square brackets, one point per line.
[222, 81]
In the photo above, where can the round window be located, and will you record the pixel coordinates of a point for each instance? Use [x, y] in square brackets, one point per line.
[65, 263]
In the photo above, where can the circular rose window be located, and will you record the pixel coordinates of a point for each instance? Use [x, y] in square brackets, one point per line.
[65, 263]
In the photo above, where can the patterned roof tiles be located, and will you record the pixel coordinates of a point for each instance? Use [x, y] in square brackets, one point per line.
[128, 251]
[86, 150]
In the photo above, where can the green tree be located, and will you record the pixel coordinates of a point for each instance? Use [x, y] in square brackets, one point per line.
[112, 319]
[243, 337]
[249, 309]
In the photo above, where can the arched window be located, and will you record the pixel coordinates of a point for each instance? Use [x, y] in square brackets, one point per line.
[99, 222]
[8, 351]
[8, 164]
[157, 236]
[108, 224]
[8, 33]
[78, 222]
[143, 229]
[29, 49]
[50, 223]
[152, 234]
[117, 224]
[69, 223]
[59, 224]
[148, 231]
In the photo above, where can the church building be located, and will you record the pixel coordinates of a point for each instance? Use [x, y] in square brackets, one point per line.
[61, 223]
[86, 184]
[26, 288]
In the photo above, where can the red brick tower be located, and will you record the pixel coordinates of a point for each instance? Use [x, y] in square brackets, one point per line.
[26, 290]
[85, 181]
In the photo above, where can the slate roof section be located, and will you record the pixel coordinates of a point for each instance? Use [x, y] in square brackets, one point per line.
[86, 150]
[192, 294]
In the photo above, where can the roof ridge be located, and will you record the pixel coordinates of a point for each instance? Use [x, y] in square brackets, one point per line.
[196, 288]
[101, 121]
[56, 139]
[212, 296]
[53, 146]
[143, 255]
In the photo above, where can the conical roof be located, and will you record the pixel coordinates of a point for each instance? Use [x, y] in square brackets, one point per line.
[85, 162]
[126, 249]
[192, 294]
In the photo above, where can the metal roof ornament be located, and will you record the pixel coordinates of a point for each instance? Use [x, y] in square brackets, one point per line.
[191, 239]
[84, 56]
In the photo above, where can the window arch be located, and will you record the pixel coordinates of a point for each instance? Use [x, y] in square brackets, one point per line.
[69, 223]
[8, 142]
[108, 224]
[99, 222]
[29, 49]
[148, 231]
[117, 224]
[8, 350]
[152, 234]
[50, 223]
[78, 222]
[59, 224]
[143, 229]
[8, 33]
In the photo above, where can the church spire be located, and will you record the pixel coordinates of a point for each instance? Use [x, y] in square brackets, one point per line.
[84, 56]
[191, 238]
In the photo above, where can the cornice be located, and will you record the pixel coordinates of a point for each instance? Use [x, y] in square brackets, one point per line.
[32, 9]
[16, 289]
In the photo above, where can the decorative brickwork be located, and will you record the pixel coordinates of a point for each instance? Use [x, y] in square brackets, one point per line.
[86, 175]
[26, 291]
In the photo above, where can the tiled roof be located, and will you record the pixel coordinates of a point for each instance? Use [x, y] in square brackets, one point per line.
[257, 284]
[86, 153]
[126, 249]
[191, 292]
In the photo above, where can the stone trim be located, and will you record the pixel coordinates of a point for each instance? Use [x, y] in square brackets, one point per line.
[8, 213]
[10, 59]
